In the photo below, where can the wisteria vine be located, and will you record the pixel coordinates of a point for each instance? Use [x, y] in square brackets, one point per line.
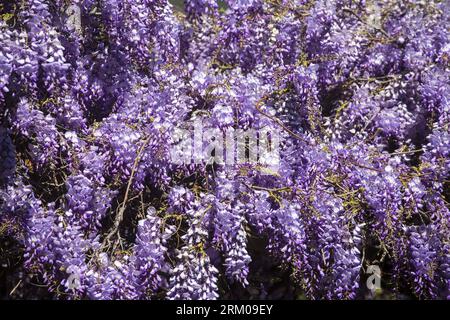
[91, 94]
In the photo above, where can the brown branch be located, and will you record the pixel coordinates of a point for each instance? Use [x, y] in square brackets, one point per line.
[268, 189]
[119, 217]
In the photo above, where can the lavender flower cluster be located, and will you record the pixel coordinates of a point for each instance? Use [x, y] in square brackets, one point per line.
[92, 91]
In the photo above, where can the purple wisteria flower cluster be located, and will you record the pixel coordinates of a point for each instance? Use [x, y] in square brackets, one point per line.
[93, 207]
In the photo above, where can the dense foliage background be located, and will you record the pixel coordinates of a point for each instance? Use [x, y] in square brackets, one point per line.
[92, 207]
